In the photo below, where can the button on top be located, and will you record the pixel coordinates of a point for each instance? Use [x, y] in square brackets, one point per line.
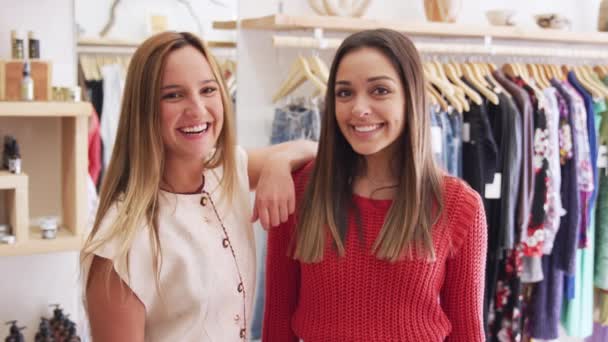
[240, 288]
[204, 200]
[225, 243]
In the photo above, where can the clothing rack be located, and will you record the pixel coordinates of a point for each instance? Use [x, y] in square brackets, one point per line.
[125, 47]
[486, 48]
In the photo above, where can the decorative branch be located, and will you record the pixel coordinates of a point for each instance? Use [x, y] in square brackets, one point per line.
[111, 20]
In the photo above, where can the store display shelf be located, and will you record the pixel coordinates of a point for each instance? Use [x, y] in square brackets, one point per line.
[64, 241]
[281, 22]
[44, 109]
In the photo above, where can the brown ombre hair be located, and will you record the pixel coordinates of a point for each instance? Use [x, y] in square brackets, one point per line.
[328, 197]
[138, 159]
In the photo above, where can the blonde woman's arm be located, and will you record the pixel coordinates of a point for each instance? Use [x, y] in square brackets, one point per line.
[269, 170]
[115, 312]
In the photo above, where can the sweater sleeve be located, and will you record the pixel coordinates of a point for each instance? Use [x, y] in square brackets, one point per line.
[282, 285]
[463, 288]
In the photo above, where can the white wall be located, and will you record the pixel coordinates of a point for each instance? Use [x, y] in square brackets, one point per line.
[131, 17]
[29, 284]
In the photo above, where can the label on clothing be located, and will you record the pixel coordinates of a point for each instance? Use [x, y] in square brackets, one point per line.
[466, 132]
[493, 189]
[436, 139]
[602, 157]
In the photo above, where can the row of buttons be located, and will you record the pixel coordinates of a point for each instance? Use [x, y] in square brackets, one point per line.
[240, 288]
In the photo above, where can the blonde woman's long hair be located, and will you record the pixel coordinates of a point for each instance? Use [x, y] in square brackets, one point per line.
[136, 168]
[406, 231]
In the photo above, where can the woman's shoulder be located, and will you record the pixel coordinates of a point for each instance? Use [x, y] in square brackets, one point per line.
[463, 209]
[458, 194]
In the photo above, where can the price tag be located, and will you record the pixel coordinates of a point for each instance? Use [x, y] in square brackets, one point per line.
[466, 132]
[493, 189]
[602, 157]
[436, 139]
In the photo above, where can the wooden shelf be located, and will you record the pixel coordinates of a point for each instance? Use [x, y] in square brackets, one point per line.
[44, 109]
[10, 180]
[69, 126]
[35, 244]
[116, 43]
[281, 22]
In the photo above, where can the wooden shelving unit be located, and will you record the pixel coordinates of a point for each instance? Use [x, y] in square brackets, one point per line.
[281, 22]
[73, 121]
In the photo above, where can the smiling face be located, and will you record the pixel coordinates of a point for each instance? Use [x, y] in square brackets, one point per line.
[370, 101]
[192, 113]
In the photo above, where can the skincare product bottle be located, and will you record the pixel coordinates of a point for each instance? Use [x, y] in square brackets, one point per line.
[27, 84]
[17, 45]
[33, 45]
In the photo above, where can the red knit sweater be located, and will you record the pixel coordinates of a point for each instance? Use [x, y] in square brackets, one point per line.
[361, 298]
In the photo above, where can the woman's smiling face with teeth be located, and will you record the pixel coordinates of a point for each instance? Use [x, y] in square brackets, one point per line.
[191, 106]
[370, 101]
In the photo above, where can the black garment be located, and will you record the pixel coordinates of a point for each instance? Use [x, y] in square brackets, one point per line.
[505, 120]
[95, 91]
[480, 152]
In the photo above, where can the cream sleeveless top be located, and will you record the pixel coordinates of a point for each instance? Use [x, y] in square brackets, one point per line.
[202, 296]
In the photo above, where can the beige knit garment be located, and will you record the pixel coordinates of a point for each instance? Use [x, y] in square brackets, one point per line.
[199, 281]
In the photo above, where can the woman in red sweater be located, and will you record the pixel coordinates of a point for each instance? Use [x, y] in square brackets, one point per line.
[384, 245]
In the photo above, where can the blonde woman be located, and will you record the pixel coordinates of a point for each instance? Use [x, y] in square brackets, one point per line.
[171, 255]
[384, 246]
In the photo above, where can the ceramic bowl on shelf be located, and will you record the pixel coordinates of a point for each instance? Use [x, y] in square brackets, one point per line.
[553, 21]
[501, 17]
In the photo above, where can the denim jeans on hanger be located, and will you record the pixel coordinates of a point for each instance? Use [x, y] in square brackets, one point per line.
[297, 120]
[454, 142]
[446, 137]
[437, 122]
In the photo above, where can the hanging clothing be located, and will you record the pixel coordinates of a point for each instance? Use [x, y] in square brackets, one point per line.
[454, 143]
[505, 121]
[546, 303]
[522, 100]
[95, 94]
[566, 241]
[94, 148]
[299, 119]
[112, 96]
[600, 333]
[601, 257]
[535, 233]
[554, 201]
[479, 150]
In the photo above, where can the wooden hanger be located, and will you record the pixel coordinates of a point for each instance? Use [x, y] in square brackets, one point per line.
[461, 93]
[456, 93]
[447, 90]
[453, 74]
[299, 73]
[496, 86]
[535, 75]
[592, 79]
[583, 79]
[319, 68]
[510, 70]
[600, 71]
[436, 98]
[469, 75]
[595, 79]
